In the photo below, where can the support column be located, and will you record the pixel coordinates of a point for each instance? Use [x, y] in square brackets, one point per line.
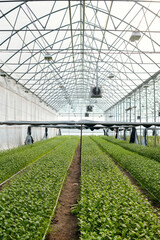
[154, 92]
[146, 88]
[124, 111]
[135, 106]
[140, 111]
[130, 111]
[81, 143]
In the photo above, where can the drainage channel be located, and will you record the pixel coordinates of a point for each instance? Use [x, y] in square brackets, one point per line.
[64, 225]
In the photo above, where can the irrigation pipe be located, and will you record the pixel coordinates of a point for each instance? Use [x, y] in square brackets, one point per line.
[29, 165]
[55, 206]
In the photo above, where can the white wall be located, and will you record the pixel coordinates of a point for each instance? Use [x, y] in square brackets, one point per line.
[16, 104]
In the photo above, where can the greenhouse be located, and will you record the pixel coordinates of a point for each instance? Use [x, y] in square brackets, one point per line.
[79, 120]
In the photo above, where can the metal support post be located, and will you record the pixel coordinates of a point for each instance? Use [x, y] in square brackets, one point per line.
[130, 111]
[154, 92]
[126, 108]
[81, 144]
[117, 112]
[135, 106]
[146, 115]
[140, 111]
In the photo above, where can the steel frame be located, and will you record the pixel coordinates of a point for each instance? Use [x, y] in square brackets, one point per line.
[84, 52]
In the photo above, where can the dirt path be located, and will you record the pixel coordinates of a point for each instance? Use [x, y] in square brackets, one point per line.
[64, 225]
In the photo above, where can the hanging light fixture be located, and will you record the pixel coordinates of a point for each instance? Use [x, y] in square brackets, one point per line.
[48, 57]
[135, 36]
[3, 74]
[111, 76]
[25, 90]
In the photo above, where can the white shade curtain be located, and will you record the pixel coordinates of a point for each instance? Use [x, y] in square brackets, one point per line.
[18, 105]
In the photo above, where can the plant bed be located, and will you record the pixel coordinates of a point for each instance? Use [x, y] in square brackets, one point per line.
[145, 170]
[12, 161]
[110, 207]
[27, 203]
[150, 152]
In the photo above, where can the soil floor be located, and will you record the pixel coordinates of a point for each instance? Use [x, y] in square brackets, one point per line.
[64, 226]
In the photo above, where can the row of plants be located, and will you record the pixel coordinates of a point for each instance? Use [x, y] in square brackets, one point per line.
[28, 202]
[145, 170]
[151, 141]
[109, 206]
[12, 161]
[150, 152]
[21, 148]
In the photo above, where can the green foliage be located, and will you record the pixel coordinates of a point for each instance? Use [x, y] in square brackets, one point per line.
[151, 141]
[110, 207]
[12, 161]
[27, 203]
[145, 170]
[150, 152]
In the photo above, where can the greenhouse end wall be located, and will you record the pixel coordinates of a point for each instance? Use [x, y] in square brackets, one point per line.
[18, 105]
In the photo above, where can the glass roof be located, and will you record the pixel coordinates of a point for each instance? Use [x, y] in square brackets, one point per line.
[113, 45]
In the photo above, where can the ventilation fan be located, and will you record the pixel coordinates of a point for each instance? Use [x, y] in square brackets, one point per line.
[89, 108]
[86, 114]
[96, 92]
